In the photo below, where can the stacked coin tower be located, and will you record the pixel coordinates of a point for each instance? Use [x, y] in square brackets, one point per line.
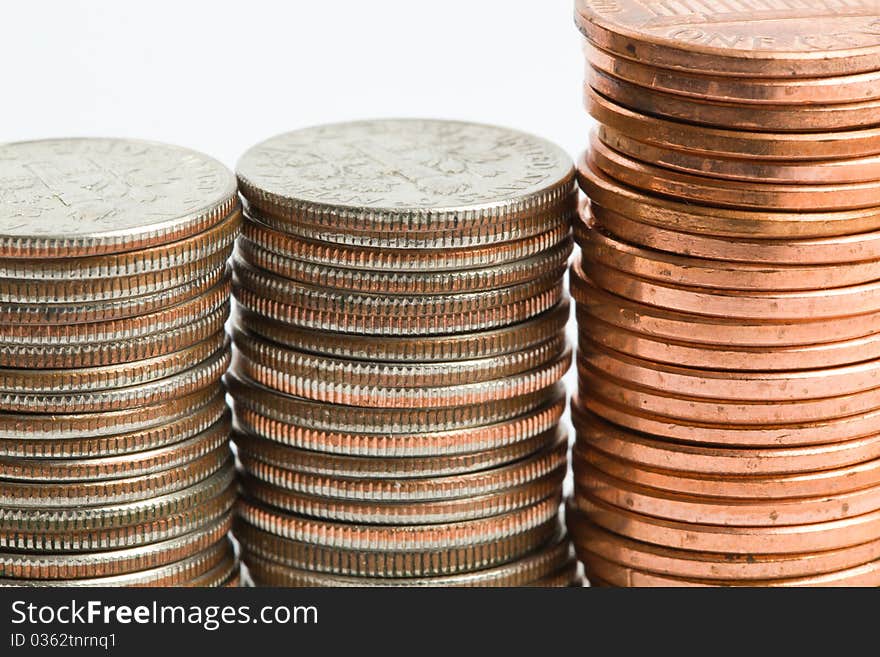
[115, 467]
[399, 345]
[728, 295]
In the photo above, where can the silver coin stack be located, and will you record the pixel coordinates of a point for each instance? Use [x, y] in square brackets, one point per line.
[399, 345]
[115, 467]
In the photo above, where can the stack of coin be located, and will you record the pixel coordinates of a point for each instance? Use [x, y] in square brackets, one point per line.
[115, 467]
[398, 349]
[729, 295]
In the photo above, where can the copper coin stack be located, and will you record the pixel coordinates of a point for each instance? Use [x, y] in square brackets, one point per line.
[728, 295]
[399, 343]
[115, 467]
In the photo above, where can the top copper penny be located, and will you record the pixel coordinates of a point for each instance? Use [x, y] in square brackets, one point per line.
[408, 174]
[72, 197]
[751, 38]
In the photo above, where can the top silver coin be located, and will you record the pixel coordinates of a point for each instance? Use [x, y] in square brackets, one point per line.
[405, 173]
[86, 196]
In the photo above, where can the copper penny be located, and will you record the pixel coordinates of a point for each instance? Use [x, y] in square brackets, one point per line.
[867, 575]
[725, 411]
[719, 357]
[662, 323]
[593, 484]
[746, 487]
[729, 385]
[779, 91]
[791, 539]
[595, 435]
[766, 305]
[591, 540]
[716, 142]
[801, 431]
[758, 117]
[734, 194]
[665, 213]
[808, 178]
[761, 39]
[857, 248]
[700, 272]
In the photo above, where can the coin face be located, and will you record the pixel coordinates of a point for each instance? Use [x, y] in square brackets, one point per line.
[769, 37]
[405, 172]
[88, 196]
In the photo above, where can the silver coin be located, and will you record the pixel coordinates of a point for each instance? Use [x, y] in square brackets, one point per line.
[405, 173]
[87, 196]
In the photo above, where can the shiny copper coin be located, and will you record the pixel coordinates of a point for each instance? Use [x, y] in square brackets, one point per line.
[591, 540]
[827, 482]
[715, 142]
[409, 513]
[819, 179]
[664, 213]
[717, 357]
[126, 429]
[791, 539]
[550, 261]
[733, 116]
[662, 323]
[867, 575]
[199, 376]
[17, 565]
[409, 443]
[549, 462]
[797, 432]
[216, 239]
[595, 435]
[779, 91]
[85, 336]
[102, 354]
[610, 251]
[593, 484]
[546, 562]
[366, 420]
[102, 311]
[399, 538]
[861, 247]
[725, 411]
[110, 376]
[420, 348]
[135, 464]
[738, 385]
[319, 252]
[813, 40]
[403, 396]
[405, 563]
[734, 194]
[830, 303]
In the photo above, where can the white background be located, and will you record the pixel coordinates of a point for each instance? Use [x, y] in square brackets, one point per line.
[220, 76]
